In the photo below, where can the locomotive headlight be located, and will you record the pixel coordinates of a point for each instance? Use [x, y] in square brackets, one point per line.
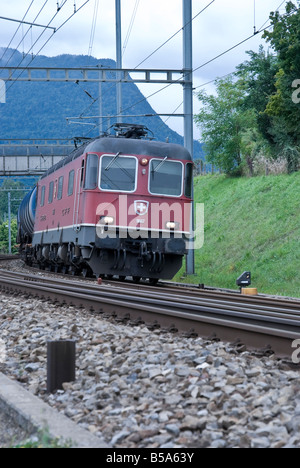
[172, 225]
[144, 162]
[107, 220]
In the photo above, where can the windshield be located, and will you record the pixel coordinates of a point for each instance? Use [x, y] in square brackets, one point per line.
[166, 177]
[118, 173]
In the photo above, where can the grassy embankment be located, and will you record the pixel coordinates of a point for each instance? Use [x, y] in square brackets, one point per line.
[250, 224]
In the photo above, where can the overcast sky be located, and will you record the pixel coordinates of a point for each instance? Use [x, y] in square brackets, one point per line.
[222, 25]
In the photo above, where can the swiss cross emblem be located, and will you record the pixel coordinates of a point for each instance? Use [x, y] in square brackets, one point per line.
[141, 207]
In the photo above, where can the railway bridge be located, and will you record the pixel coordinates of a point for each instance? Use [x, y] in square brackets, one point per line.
[31, 157]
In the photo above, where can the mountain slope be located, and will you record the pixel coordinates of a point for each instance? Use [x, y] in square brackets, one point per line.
[39, 110]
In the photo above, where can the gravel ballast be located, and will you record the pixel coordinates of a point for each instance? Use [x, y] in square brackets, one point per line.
[142, 388]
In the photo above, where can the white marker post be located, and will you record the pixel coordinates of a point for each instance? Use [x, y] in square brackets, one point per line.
[2, 92]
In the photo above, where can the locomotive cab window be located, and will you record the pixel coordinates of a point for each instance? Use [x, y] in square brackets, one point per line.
[188, 183]
[165, 177]
[118, 173]
[91, 173]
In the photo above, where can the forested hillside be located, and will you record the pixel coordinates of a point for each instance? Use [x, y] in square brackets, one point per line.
[39, 110]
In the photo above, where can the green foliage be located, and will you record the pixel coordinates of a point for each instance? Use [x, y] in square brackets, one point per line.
[41, 441]
[285, 39]
[223, 122]
[10, 185]
[257, 76]
[4, 241]
[250, 224]
[256, 115]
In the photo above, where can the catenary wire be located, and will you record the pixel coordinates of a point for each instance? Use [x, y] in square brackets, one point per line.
[162, 45]
[262, 29]
[17, 30]
[136, 6]
[19, 64]
[228, 74]
[175, 34]
[48, 40]
[15, 50]
[277, 9]
[93, 30]
[195, 69]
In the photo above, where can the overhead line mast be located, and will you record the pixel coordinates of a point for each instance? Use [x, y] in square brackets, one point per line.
[119, 59]
[188, 106]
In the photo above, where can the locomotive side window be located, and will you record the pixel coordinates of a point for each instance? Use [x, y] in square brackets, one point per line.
[43, 196]
[51, 192]
[60, 188]
[118, 173]
[71, 183]
[91, 173]
[165, 177]
[82, 173]
[188, 183]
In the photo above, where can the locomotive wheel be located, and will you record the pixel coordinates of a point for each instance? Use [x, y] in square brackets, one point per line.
[87, 273]
[153, 281]
[136, 279]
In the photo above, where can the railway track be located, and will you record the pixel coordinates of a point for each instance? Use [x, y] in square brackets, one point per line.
[4, 257]
[259, 323]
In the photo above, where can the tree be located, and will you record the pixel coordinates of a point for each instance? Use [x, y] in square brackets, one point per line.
[223, 122]
[258, 77]
[285, 39]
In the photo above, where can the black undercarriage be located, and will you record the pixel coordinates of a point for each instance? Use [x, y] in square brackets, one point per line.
[150, 258]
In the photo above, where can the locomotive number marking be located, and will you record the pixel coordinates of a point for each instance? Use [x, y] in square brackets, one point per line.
[66, 212]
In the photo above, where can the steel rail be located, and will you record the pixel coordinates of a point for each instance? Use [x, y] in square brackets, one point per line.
[227, 294]
[180, 291]
[238, 304]
[253, 326]
[122, 299]
[9, 257]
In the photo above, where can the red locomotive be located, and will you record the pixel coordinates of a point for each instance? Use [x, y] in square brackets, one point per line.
[116, 206]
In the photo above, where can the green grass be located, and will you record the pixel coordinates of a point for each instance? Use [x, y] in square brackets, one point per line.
[250, 224]
[42, 440]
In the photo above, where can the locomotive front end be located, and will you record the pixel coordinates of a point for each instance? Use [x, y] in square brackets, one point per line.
[143, 232]
[116, 206]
